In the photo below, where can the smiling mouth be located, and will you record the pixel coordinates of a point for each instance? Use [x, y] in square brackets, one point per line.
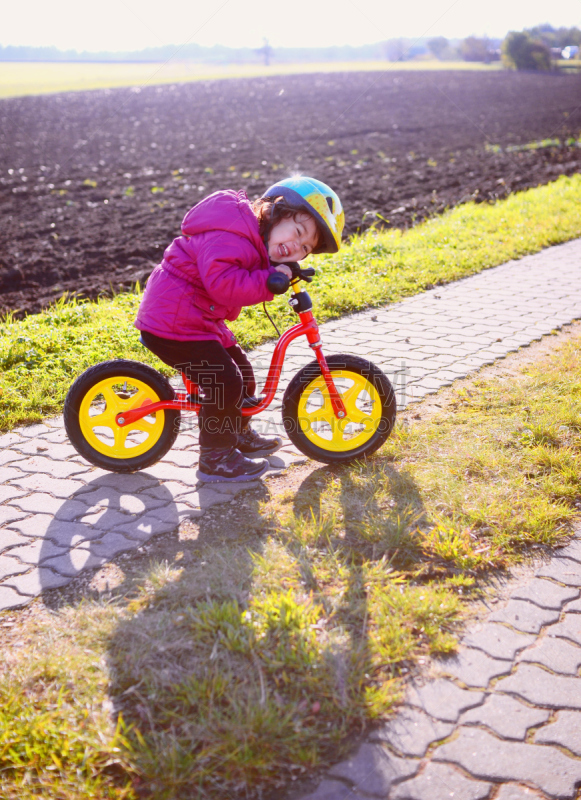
[283, 250]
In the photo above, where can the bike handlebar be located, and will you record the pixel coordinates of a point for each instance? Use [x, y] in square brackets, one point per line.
[278, 282]
[303, 274]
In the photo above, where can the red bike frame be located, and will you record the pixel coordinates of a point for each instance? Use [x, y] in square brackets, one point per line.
[307, 327]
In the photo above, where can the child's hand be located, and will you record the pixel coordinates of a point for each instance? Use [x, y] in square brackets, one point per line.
[285, 270]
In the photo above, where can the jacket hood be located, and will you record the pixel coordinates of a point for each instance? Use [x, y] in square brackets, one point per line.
[228, 211]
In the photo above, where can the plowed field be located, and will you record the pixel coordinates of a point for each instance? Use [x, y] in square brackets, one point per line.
[93, 185]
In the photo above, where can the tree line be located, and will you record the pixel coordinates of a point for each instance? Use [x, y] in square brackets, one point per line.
[538, 48]
[531, 49]
[400, 49]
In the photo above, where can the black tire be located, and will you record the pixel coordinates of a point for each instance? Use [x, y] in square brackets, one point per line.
[381, 402]
[81, 399]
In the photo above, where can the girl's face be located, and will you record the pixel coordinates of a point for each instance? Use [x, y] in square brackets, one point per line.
[293, 238]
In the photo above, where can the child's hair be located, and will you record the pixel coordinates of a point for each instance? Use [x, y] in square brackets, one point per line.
[270, 211]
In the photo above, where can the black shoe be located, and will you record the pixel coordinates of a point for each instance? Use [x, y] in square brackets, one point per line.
[252, 443]
[228, 464]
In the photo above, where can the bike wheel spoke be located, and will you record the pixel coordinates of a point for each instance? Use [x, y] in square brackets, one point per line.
[350, 395]
[142, 425]
[138, 399]
[355, 414]
[337, 431]
[114, 403]
[106, 419]
[120, 435]
[322, 414]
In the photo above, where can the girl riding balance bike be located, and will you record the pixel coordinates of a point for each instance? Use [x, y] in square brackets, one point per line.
[124, 416]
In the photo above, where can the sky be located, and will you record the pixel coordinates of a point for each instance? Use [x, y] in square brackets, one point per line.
[117, 25]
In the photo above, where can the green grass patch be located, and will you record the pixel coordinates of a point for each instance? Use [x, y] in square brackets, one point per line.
[42, 354]
[538, 145]
[19, 78]
[277, 627]
[58, 737]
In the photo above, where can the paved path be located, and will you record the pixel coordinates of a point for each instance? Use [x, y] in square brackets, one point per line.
[60, 516]
[503, 718]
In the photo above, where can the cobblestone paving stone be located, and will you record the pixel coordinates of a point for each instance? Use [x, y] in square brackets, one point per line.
[443, 700]
[557, 655]
[487, 757]
[568, 628]
[525, 616]
[505, 716]
[473, 668]
[562, 570]
[572, 550]
[545, 593]
[374, 770]
[412, 731]
[505, 723]
[565, 731]
[499, 641]
[440, 782]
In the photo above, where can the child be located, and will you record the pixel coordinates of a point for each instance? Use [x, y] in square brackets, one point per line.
[221, 263]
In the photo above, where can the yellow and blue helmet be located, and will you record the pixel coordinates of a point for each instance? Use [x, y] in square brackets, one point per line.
[320, 201]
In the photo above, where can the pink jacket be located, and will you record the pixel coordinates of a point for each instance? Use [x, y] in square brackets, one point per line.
[207, 275]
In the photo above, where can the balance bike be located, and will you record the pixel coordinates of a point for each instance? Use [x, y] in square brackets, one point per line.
[124, 416]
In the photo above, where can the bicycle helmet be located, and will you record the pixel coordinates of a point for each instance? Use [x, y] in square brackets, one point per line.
[320, 201]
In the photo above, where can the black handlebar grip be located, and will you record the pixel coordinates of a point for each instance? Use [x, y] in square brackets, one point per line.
[277, 283]
[303, 274]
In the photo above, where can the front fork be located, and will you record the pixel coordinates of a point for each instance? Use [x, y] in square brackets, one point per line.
[301, 302]
[336, 402]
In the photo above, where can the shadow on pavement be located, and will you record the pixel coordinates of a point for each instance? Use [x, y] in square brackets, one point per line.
[212, 670]
[111, 515]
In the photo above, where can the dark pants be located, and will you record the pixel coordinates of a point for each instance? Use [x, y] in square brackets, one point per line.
[224, 375]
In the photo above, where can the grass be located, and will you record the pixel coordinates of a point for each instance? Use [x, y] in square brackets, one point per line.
[56, 728]
[32, 78]
[41, 355]
[538, 145]
[569, 65]
[272, 631]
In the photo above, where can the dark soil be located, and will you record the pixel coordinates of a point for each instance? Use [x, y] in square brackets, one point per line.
[94, 185]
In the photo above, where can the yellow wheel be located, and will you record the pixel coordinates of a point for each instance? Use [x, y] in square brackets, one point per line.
[310, 421]
[103, 392]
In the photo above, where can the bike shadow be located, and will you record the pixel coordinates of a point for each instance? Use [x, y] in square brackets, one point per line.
[109, 516]
[123, 516]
